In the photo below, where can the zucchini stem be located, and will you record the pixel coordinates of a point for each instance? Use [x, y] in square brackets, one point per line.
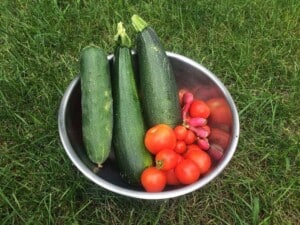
[121, 37]
[138, 23]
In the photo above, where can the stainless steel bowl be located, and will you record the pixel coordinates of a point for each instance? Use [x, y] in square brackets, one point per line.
[190, 75]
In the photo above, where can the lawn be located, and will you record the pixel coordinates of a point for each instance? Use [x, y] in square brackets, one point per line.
[252, 46]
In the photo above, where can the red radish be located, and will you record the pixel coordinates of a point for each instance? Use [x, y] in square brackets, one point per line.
[197, 122]
[180, 95]
[216, 152]
[187, 99]
[200, 132]
[203, 143]
[207, 128]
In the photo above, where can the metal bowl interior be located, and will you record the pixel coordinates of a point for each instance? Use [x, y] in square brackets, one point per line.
[189, 75]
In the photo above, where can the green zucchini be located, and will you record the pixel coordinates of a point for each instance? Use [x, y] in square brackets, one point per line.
[158, 88]
[129, 128]
[96, 103]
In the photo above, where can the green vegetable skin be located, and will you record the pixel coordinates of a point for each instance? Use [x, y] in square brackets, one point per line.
[129, 128]
[96, 102]
[158, 89]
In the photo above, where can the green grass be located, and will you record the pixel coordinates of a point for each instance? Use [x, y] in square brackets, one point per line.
[253, 47]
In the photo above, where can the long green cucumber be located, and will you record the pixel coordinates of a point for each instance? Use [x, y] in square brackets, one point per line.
[129, 128]
[96, 102]
[158, 88]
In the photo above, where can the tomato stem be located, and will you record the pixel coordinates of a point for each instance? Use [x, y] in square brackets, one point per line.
[159, 164]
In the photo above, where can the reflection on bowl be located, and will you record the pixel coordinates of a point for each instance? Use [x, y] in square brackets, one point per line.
[190, 75]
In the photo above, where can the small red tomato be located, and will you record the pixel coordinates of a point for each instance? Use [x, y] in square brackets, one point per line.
[180, 158]
[180, 147]
[187, 171]
[201, 158]
[166, 159]
[180, 132]
[160, 137]
[192, 147]
[171, 177]
[199, 109]
[153, 179]
[190, 137]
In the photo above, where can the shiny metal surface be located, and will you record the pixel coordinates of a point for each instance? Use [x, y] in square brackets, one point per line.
[190, 75]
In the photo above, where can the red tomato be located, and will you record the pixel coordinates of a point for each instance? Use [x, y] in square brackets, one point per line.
[180, 158]
[192, 147]
[180, 147]
[190, 137]
[153, 179]
[201, 158]
[180, 132]
[160, 137]
[219, 137]
[171, 177]
[220, 113]
[166, 159]
[199, 109]
[187, 171]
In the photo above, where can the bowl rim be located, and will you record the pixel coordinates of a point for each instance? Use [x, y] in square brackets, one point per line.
[143, 194]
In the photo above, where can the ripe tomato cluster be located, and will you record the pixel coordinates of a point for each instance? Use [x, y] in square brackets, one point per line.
[180, 153]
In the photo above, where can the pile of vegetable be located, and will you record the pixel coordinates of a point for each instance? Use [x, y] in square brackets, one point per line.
[159, 135]
[179, 153]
